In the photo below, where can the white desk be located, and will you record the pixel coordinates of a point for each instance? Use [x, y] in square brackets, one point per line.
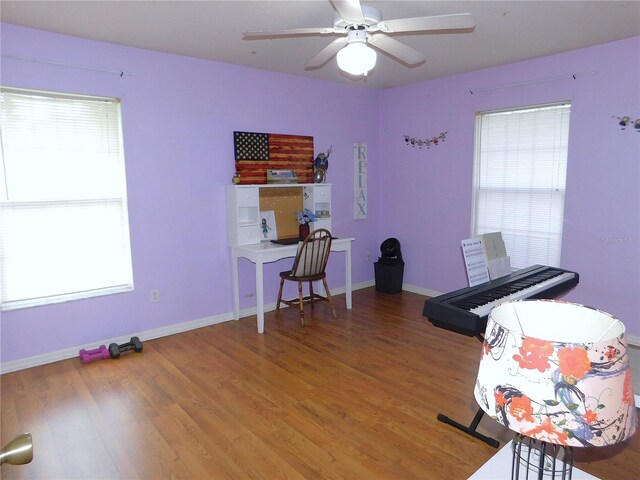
[266, 252]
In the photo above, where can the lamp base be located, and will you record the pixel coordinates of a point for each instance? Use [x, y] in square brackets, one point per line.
[536, 459]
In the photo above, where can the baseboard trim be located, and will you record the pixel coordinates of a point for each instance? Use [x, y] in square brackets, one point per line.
[420, 291]
[56, 356]
[358, 286]
[71, 352]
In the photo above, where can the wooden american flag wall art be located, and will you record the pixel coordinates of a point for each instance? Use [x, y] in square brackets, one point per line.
[255, 153]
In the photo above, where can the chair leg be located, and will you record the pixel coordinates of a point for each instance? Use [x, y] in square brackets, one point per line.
[279, 297]
[301, 300]
[326, 289]
[311, 299]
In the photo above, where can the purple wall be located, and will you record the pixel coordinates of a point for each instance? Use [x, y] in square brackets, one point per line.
[179, 114]
[178, 117]
[431, 213]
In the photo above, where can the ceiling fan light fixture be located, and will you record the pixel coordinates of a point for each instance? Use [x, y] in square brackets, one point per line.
[364, 27]
[357, 58]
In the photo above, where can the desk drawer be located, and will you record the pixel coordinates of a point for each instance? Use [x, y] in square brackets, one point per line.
[247, 197]
[322, 193]
[248, 234]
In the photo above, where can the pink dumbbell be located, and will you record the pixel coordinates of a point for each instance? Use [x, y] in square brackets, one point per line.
[88, 356]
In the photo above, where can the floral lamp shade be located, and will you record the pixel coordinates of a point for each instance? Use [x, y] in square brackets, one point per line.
[557, 372]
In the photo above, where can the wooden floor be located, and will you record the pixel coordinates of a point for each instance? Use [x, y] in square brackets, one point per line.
[353, 398]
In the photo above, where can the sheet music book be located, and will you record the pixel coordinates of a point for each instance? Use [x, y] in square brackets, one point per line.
[485, 258]
[493, 245]
[475, 261]
[495, 253]
[499, 267]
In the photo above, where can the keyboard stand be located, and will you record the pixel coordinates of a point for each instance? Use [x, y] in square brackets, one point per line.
[471, 429]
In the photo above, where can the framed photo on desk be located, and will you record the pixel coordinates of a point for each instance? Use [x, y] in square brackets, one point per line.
[268, 229]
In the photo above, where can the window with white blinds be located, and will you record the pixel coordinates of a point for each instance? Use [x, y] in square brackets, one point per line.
[520, 166]
[64, 230]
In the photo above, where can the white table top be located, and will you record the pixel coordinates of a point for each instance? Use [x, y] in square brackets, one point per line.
[268, 251]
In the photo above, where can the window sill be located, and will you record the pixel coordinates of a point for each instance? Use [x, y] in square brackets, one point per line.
[39, 302]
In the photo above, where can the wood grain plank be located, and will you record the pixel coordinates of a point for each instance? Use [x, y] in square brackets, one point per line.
[352, 398]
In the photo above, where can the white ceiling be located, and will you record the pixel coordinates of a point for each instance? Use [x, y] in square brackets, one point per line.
[505, 32]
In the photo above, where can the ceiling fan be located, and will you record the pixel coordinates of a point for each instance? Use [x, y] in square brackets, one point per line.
[362, 27]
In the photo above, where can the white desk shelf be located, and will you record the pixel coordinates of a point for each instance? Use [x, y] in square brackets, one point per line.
[317, 198]
[243, 209]
[243, 235]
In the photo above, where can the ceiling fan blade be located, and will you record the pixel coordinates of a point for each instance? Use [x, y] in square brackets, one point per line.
[326, 54]
[350, 10]
[396, 49]
[294, 32]
[456, 21]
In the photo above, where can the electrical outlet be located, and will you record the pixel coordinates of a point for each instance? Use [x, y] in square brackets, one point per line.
[368, 255]
[155, 296]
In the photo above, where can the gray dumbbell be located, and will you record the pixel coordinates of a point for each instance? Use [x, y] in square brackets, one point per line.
[134, 344]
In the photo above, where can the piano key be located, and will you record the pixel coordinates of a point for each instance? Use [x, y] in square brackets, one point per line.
[484, 310]
[465, 311]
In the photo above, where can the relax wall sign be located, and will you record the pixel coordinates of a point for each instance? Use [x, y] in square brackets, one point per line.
[359, 181]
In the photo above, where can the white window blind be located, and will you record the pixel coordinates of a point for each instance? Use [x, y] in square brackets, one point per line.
[520, 166]
[64, 230]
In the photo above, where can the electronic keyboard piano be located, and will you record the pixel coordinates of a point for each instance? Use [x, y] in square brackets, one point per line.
[466, 310]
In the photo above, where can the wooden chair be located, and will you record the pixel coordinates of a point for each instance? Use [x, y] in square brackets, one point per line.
[309, 266]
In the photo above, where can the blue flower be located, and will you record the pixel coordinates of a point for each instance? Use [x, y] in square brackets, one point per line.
[305, 216]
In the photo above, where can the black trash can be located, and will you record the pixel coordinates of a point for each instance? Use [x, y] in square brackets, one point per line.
[389, 269]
